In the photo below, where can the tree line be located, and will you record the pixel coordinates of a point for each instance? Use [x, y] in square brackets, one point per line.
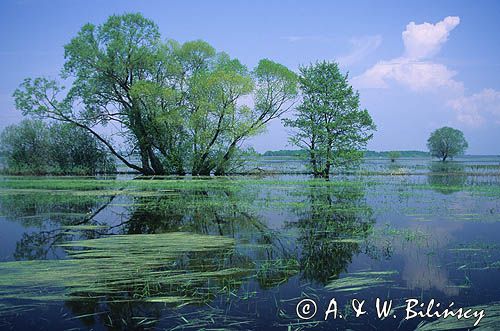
[302, 153]
[186, 108]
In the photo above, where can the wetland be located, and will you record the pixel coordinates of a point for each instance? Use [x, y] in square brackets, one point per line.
[240, 252]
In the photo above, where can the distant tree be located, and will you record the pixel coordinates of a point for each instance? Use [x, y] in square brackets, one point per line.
[34, 147]
[329, 122]
[446, 143]
[299, 153]
[75, 150]
[393, 155]
[25, 146]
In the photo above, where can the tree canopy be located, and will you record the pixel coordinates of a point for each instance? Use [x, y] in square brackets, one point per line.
[446, 143]
[329, 122]
[180, 107]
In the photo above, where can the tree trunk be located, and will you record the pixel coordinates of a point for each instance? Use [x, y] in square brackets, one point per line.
[155, 163]
[147, 170]
[222, 166]
[326, 171]
[202, 168]
[205, 170]
[312, 155]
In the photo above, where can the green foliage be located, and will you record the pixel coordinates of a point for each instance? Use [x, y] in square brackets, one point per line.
[180, 107]
[446, 143]
[393, 155]
[329, 123]
[34, 147]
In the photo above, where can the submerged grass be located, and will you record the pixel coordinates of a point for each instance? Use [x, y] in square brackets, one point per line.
[361, 281]
[173, 268]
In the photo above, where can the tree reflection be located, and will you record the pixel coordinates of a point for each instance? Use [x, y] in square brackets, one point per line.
[447, 177]
[50, 215]
[332, 221]
[222, 211]
[331, 227]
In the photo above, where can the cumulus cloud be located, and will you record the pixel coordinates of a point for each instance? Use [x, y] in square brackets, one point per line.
[417, 70]
[416, 75]
[478, 108]
[424, 40]
[414, 68]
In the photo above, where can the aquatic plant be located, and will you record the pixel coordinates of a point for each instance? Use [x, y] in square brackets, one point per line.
[173, 268]
[361, 281]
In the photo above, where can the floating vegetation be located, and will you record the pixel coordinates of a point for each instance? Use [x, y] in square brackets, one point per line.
[476, 256]
[389, 232]
[6, 309]
[274, 272]
[173, 268]
[361, 281]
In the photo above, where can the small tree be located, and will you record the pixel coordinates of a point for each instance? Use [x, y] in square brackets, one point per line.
[329, 123]
[393, 155]
[446, 143]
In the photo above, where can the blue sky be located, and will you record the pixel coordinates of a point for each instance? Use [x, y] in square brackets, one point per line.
[442, 69]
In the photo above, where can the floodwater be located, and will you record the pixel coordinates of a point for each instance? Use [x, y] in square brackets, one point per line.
[242, 252]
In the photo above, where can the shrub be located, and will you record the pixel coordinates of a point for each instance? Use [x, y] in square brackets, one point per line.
[37, 148]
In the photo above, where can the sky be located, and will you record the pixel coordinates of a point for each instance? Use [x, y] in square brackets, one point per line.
[418, 65]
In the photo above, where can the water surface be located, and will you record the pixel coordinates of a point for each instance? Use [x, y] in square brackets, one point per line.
[240, 252]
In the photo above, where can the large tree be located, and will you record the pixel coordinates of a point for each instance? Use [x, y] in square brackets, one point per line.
[446, 143]
[329, 122]
[180, 107]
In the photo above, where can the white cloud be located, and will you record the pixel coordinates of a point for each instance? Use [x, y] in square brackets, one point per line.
[424, 40]
[414, 69]
[416, 75]
[361, 47]
[477, 109]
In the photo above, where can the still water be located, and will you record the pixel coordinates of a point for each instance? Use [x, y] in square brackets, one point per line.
[241, 252]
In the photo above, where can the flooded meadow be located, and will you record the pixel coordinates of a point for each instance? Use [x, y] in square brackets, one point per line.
[240, 252]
